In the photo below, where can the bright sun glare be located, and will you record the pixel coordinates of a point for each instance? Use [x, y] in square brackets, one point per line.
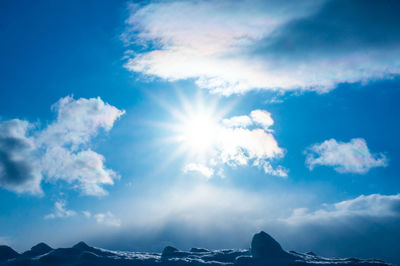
[195, 127]
[199, 132]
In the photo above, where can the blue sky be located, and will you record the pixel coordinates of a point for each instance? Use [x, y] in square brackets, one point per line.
[133, 125]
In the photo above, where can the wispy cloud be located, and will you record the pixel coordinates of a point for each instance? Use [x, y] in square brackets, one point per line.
[107, 219]
[236, 46]
[278, 171]
[345, 157]
[372, 206]
[60, 150]
[201, 206]
[199, 168]
[60, 211]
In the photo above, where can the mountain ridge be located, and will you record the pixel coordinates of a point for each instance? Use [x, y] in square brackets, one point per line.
[264, 250]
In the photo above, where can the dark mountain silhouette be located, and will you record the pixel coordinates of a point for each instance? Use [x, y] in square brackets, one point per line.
[37, 250]
[264, 250]
[7, 253]
[263, 246]
[82, 246]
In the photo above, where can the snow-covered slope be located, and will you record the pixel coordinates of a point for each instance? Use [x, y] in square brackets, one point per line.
[264, 251]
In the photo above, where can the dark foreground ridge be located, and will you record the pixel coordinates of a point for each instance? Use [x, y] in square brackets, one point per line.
[264, 251]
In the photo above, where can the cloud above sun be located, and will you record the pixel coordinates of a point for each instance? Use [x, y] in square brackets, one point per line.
[59, 151]
[231, 47]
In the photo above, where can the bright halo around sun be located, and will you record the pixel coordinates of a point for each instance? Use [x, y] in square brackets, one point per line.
[195, 127]
[198, 132]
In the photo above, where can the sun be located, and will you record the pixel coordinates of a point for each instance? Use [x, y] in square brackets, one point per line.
[198, 132]
[194, 127]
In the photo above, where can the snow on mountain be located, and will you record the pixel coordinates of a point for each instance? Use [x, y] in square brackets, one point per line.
[264, 251]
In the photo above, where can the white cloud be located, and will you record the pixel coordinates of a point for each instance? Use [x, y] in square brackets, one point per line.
[238, 146]
[60, 211]
[345, 157]
[65, 141]
[239, 141]
[258, 117]
[236, 46]
[59, 151]
[199, 168]
[238, 121]
[205, 40]
[372, 206]
[78, 121]
[107, 219]
[262, 118]
[85, 167]
[279, 171]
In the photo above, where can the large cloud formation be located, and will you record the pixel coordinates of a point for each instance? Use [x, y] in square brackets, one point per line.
[345, 157]
[60, 150]
[235, 46]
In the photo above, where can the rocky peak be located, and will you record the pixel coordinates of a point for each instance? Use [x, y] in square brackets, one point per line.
[264, 246]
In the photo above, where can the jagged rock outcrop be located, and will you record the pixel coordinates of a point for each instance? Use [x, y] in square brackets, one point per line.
[169, 251]
[172, 252]
[263, 246]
